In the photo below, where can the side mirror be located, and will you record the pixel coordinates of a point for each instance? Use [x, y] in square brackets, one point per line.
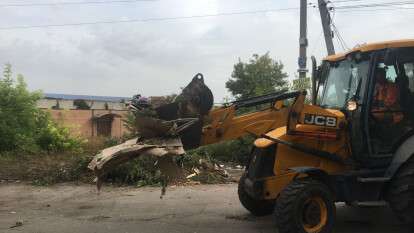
[315, 78]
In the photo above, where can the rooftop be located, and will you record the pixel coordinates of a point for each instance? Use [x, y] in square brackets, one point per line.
[86, 97]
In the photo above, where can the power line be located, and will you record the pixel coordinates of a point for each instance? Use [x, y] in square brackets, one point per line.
[375, 10]
[185, 17]
[340, 1]
[148, 19]
[335, 30]
[345, 1]
[339, 37]
[376, 5]
[353, 8]
[372, 7]
[72, 3]
[349, 1]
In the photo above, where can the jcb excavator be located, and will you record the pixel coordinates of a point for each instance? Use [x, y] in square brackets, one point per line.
[307, 157]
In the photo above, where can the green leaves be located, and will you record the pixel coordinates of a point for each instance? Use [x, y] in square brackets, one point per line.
[17, 112]
[51, 136]
[24, 127]
[261, 75]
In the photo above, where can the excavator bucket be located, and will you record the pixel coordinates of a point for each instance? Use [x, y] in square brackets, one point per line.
[163, 130]
[182, 117]
[197, 101]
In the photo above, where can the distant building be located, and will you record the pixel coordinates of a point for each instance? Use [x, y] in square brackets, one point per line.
[63, 101]
[89, 116]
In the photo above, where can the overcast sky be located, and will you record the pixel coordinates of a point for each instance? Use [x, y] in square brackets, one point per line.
[157, 58]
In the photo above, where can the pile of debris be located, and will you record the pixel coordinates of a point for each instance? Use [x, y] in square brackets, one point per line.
[208, 172]
[164, 131]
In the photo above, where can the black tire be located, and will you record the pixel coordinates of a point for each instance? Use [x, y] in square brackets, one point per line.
[256, 207]
[295, 208]
[400, 193]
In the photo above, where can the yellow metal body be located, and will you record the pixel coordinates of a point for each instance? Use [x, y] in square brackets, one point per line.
[288, 124]
[225, 125]
[288, 157]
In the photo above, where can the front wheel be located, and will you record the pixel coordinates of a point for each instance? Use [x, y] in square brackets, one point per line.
[255, 207]
[305, 206]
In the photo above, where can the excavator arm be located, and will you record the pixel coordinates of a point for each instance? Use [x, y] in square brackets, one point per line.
[227, 123]
[190, 121]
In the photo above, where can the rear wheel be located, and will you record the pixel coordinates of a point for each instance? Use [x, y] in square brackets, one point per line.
[255, 207]
[401, 193]
[305, 206]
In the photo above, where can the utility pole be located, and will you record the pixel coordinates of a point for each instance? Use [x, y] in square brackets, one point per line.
[326, 25]
[303, 40]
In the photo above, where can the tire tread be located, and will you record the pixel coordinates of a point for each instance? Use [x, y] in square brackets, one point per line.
[401, 193]
[285, 217]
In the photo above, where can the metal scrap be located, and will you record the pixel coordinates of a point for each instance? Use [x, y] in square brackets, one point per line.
[111, 157]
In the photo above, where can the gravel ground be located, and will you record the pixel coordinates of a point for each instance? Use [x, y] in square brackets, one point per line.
[69, 208]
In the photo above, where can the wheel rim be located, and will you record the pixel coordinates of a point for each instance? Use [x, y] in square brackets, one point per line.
[314, 215]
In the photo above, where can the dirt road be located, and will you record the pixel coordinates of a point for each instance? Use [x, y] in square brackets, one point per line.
[191, 209]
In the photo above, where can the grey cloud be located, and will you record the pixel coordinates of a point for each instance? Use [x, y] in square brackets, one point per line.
[158, 58]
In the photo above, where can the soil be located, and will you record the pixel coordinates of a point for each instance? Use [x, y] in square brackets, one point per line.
[68, 208]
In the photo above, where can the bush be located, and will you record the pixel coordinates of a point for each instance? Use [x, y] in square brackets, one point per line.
[52, 137]
[140, 172]
[24, 127]
[236, 151]
[130, 124]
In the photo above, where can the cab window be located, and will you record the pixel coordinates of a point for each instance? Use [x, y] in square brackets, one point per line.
[341, 82]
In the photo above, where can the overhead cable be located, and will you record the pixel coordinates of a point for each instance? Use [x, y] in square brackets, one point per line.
[143, 20]
[43, 4]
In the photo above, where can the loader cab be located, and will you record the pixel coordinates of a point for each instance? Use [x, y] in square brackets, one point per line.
[375, 90]
[342, 85]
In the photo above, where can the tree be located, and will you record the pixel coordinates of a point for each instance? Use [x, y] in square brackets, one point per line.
[261, 75]
[18, 112]
[81, 104]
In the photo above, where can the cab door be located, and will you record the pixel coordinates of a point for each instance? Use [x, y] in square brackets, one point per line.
[357, 117]
[390, 103]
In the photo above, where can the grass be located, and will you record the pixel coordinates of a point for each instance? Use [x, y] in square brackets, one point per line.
[45, 169]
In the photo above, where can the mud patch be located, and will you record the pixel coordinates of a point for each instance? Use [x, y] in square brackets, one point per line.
[98, 218]
[85, 207]
[244, 217]
[148, 219]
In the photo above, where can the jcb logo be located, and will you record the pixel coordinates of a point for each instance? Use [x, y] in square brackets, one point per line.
[311, 119]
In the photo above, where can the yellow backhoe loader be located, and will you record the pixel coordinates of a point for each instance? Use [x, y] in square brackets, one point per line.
[353, 143]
